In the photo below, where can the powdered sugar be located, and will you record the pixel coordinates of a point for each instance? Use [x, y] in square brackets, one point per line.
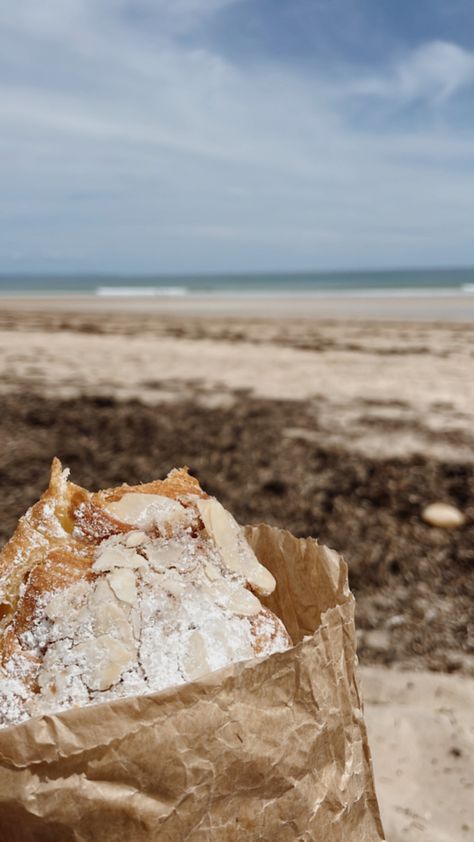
[158, 612]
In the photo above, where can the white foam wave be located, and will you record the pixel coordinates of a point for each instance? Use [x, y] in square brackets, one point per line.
[139, 292]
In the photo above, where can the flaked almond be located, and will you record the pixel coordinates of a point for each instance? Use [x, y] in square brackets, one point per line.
[102, 593]
[148, 510]
[122, 581]
[194, 661]
[117, 556]
[234, 597]
[111, 619]
[163, 555]
[258, 577]
[135, 539]
[136, 622]
[103, 659]
[212, 572]
[235, 552]
[173, 585]
[245, 603]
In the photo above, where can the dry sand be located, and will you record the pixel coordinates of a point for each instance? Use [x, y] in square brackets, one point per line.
[382, 390]
[421, 734]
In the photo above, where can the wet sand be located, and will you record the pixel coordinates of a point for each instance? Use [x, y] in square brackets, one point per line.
[441, 306]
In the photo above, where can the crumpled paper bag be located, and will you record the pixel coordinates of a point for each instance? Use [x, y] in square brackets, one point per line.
[273, 750]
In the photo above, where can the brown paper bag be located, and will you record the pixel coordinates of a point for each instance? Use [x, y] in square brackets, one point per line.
[273, 750]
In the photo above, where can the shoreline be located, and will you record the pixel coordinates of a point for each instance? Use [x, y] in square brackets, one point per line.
[405, 305]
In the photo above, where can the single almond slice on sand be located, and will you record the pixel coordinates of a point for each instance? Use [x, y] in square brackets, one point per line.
[443, 515]
[233, 548]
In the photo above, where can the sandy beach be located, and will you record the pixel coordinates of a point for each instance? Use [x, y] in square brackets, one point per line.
[344, 428]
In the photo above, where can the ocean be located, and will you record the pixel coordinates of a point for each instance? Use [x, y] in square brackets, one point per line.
[368, 283]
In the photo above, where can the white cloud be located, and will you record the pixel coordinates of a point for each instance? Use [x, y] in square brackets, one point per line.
[123, 148]
[436, 70]
[51, 17]
[186, 13]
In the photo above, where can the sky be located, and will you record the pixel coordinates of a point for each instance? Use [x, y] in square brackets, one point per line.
[194, 136]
